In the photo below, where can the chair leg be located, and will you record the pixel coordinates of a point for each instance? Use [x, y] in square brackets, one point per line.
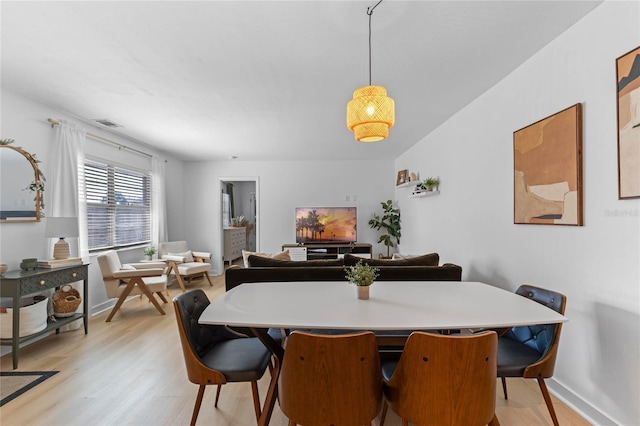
[143, 287]
[504, 387]
[215, 404]
[383, 415]
[161, 296]
[121, 299]
[180, 281]
[547, 400]
[494, 421]
[256, 399]
[206, 274]
[196, 408]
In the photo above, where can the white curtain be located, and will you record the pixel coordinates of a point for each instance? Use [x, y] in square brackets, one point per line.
[65, 184]
[159, 230]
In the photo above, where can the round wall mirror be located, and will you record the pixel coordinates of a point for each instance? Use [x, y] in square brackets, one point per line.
[18, 172]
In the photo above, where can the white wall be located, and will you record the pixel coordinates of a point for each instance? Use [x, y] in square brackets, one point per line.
[281, 187]
[597, 266]
[25, 121]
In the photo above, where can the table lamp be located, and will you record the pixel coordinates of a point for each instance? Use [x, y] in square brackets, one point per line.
[61, 227]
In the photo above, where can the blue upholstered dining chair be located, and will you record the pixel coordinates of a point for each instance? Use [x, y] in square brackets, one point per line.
[531, 351]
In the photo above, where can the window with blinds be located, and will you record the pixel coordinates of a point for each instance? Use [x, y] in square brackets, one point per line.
[118, 206]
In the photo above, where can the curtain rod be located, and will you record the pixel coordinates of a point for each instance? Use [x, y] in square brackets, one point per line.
[55, 122]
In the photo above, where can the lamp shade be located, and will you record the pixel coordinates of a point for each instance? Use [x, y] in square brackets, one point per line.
[370, 114]
[62, 227]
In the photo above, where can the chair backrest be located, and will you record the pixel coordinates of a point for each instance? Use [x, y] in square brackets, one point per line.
[198, 339]
[109, 263]
[330, 379]
[543, 338]
[445, 380]
[172, 247]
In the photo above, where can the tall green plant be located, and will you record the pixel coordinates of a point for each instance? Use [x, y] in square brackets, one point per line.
[390, 223]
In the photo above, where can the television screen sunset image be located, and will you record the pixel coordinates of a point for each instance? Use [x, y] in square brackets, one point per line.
[335, 224]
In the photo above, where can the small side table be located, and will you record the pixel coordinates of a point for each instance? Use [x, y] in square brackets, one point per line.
[19, 283]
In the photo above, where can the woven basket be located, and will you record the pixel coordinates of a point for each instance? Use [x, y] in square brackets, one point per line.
[65, 301]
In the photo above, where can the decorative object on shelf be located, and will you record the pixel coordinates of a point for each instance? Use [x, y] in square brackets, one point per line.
[62, 227]
[20, 175]
[29, 264]
[3, 268]
[149, 252]
[390, 222]
[429, 184]
[547, 162]
[413, 177]
[628, 83]
[362, 276]
[402, 177]
[65, 301]
[371, 113]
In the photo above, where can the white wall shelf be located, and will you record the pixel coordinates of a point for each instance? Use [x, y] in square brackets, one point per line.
[424, 193]
[410, 183]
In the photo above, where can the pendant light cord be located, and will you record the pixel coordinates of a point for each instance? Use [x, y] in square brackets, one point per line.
[370, 12]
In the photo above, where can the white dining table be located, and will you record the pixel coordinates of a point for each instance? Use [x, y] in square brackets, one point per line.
[393, 305]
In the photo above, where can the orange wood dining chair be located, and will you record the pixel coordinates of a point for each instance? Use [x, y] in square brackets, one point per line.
[330, 379]
[443, 380]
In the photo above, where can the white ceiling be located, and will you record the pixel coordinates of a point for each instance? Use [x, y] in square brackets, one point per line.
[265, 80]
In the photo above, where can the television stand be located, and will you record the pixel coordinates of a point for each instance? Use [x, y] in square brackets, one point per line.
[329, 250]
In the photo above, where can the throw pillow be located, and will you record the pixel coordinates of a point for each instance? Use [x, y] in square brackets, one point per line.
[188, 256]
[260, 261]
[431, 259]
[283, 255]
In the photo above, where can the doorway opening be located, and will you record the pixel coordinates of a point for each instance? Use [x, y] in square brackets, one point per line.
[240, 209]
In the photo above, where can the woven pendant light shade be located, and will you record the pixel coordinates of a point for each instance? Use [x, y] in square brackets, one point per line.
[370, 114]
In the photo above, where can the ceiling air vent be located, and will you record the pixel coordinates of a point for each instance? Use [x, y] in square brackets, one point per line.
[107, 123]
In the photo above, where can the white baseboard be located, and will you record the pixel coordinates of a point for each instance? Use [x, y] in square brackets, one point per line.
[579, 405]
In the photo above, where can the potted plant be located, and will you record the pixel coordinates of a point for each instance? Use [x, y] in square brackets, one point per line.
[362, 275]
[430, 183]
[149, 252]
[390, 222]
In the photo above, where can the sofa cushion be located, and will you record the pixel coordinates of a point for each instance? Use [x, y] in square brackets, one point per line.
[282, 255]
[431, 259]
[256, 261]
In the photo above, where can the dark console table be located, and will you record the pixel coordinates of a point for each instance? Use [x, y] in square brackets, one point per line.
[17, 284]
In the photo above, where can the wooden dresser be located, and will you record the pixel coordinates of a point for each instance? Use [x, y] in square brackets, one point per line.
[235, 240]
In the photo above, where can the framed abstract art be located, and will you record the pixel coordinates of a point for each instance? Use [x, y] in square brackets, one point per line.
[628, 107]
[547, 161]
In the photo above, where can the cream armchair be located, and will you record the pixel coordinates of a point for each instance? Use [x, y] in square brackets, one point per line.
[184, 263]
[122, 281]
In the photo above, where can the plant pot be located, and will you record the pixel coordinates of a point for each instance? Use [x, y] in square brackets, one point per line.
[363, 292]
[148, 257]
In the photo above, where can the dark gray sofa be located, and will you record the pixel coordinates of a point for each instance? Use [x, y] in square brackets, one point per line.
[270, 270]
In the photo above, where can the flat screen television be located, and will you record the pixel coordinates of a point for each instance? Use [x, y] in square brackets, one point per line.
[326, 225]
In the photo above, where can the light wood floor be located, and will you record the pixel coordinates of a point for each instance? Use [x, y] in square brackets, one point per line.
[131, 372]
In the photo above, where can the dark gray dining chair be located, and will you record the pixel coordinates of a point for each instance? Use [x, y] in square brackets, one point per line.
[215, 355]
